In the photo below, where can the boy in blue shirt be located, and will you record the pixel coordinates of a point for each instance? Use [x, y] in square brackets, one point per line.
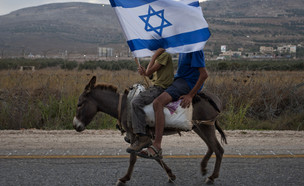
[188, 81]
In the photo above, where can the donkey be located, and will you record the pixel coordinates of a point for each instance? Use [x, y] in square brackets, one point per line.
[105, 98]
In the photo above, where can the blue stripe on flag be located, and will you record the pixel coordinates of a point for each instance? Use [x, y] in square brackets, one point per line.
[132, 3]
[129, 3]
[169, 42]
[195, 4]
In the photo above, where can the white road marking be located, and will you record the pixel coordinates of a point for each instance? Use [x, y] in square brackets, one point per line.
[238, 152]
[273, 152]
[290, 152]
[118, 152]
[48, 152]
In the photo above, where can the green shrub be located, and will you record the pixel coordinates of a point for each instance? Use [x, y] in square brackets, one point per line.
[57, 113]
[234, 117]
[271, 65]
[69, 65]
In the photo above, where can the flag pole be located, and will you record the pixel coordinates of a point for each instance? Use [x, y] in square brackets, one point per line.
[136, 60]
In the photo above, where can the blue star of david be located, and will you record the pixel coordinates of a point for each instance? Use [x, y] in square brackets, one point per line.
[160, 14]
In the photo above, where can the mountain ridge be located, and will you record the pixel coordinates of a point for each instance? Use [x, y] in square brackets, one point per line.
[82, 27]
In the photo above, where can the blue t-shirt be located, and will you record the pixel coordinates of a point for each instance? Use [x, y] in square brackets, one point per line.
[188, 64]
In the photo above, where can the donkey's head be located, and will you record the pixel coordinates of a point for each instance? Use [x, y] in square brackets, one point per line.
[86, 107]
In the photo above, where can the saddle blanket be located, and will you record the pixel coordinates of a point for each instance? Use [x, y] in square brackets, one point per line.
[175, 116]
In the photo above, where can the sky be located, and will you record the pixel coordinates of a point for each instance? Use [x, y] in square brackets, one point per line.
[7, 6]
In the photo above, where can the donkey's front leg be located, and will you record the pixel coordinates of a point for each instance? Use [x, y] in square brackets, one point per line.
[122, 181]
[171, 176]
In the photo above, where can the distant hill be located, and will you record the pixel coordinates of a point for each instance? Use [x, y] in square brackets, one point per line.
[250, 24]
[82, 27]
[55, 28]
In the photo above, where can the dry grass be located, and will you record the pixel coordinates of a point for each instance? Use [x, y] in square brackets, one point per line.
[47, 98]
[266, 95]
[66, 82]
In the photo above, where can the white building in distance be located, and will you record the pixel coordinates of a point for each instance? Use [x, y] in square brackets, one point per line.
[266, 50]
[287, 49]
[223, 48]
[105, 52]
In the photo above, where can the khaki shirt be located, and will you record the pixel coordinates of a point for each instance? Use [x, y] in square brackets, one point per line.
[164, 76]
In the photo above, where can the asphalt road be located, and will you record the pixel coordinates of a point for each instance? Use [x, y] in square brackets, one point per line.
[51, 158]
[106, 171]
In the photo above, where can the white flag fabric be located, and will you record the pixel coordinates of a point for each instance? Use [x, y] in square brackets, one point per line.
[175, 25]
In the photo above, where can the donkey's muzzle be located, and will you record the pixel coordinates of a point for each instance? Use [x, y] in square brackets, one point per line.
[78, 125]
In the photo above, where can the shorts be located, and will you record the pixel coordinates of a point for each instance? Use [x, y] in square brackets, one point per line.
[178, 88]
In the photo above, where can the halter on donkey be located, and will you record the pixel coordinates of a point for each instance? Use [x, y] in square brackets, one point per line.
[104, 98]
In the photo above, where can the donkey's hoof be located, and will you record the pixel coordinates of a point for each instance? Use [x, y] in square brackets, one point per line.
[204, 172]
[120, 183]
[172, 179]
[209, 181]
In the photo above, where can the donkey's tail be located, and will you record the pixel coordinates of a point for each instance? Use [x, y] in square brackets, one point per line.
[223, 135]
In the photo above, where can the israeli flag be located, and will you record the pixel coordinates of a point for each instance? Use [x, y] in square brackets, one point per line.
[175, 25]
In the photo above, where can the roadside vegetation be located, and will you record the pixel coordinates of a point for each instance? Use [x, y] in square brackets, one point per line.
[220, 65]
[262, 95]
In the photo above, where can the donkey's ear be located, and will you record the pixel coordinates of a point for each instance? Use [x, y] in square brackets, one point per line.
[91, 84]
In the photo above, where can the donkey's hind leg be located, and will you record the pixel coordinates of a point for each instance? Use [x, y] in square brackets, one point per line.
[205, 160]
[171, 176]
[219, 152]
[207, 156]
[207, 133]
[122, 181]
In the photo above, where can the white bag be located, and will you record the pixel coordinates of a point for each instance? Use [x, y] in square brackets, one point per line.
[179, 119]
